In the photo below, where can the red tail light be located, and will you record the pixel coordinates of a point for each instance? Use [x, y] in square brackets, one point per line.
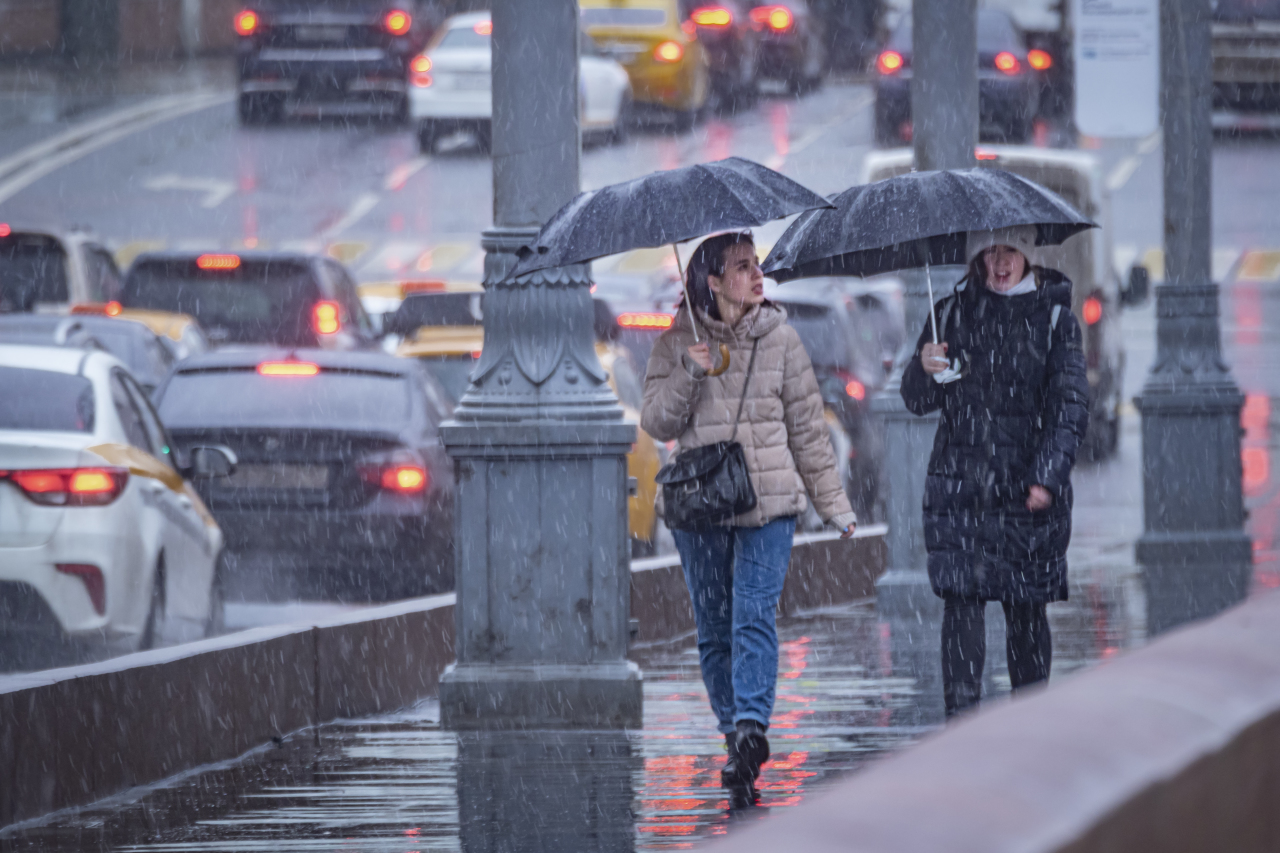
[889, 62]
[418, 68]
[668, 51]
[1007, 62]
[113, 309]
[288, 368]
[326, 318]
[712, 16]
[1092, 310]
[91, 576]
[70, 486]
[5, 230]
[397, 22]
[401, 471]
[484, 28]
[853, 386]
[634, 320]
[984, 154]
[218, 262]
[247, 22]
[777, 18]
[1040, 60]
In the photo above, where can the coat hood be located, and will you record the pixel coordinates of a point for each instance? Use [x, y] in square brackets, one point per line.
[759, 321]
[1051, 285]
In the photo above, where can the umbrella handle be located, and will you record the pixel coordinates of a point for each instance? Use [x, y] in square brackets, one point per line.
[724, 362]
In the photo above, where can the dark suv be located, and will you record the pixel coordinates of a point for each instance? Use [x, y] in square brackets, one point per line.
[334, 52]
[291, 300]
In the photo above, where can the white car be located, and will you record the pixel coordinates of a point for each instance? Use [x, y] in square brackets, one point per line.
[450, 85]
[101, 536]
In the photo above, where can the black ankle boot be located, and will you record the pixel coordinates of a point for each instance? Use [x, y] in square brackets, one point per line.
[752, 747]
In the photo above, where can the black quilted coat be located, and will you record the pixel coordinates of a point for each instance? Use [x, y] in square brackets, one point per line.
[1014, 419]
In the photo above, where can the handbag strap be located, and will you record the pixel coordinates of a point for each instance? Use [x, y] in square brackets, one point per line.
[745, 382]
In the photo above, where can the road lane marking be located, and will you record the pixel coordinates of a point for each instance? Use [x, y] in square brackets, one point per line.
[401, 174]
[33, 163]
[1124, 170]
[1259, 266]
[364, 203]
[215, 191]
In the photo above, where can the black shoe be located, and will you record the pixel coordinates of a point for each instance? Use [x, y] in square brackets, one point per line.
[751, 747]
[736, 778]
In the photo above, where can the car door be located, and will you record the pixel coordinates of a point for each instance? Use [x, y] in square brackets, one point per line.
[190, 554]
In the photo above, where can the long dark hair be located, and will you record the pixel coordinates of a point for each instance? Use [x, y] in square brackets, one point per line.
[708, 260]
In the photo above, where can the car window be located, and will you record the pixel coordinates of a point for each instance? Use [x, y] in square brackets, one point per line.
[349, 296]
[45, 400]
[33, 271]
[241, 397]
[629, 389]
[996, 32]
[130, 417]
[241, 301]
[467, 37]
[103, 277]
[616, 17]
[156, 435]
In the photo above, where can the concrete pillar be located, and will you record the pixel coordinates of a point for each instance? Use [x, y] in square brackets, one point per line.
[538, 440]
[1195, 555]
[944, 118]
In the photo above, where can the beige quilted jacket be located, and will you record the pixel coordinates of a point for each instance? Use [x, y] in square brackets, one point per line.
[782, 432]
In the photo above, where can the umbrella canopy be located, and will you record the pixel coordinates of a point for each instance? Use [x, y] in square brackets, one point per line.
[917, 219]
[665, 207]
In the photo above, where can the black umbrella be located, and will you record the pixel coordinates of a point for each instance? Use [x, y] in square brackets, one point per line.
[917, 219]
[665, 207]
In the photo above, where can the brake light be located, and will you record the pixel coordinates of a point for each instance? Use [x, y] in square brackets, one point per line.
[5, 230]
[1092, 310]
[1007, 62]
[70, 486]
[889, 62]
[325, 318]
[397, 22]
[668, 51]
[418, 68]
[91, 577]
[712, 16]
[984, 154]
[1040, 60]
[484, 28]
[288, 368]
[401, 471]
[642, 320]
[404, 478]
[247, 22]
[855, 389]
[218, 262]
[113, 309]
[777, 18]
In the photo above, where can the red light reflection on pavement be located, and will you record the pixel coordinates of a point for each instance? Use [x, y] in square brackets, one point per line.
[780, 125]
[719, 140]
[1247, 298]
[1262, 497]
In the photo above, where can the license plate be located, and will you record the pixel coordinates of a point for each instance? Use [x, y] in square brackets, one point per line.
[279, 476]
[320, 35]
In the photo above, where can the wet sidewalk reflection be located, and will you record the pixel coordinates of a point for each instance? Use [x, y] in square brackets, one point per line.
[851, 687]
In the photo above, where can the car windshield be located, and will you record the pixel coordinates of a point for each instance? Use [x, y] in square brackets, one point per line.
[996, 32]
[1247, 10]
[33, 271]
[466, 37]
[259, 301]
[242, 398]
[45, 400]
[624, 17]
[438, 309]
[453, 372]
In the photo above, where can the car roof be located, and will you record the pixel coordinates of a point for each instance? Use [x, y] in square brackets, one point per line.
[442, 341]
[54, 359]
[467, 19]
[248, 356]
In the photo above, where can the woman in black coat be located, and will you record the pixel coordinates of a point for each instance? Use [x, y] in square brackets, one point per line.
[1009, 378]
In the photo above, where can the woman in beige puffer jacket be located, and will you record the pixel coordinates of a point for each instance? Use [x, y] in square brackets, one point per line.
[735, 570]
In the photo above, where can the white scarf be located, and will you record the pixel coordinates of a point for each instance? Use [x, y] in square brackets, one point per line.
[1027, 285]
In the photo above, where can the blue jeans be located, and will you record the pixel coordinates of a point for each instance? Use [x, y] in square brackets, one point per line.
[735, 577]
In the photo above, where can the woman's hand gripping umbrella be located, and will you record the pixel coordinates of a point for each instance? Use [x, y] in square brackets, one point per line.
[666, 208]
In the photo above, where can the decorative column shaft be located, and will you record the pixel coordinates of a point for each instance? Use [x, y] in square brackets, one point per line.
[944, 119]
[1195, 555]
[538, 440]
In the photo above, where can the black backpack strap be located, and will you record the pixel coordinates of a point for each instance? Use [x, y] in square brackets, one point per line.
[745, 382]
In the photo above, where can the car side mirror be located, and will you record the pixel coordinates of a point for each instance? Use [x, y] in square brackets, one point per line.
[1139, 286]
[209, 461]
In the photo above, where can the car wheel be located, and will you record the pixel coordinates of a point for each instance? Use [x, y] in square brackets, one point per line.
[427, 135]
[257, 108]
[155, 611]
[217, 621]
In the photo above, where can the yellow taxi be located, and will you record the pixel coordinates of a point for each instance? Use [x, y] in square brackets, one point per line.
[449, 352]
[181, 330]
[667, 64]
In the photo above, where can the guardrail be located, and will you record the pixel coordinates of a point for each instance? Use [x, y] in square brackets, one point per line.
[71, 736]
[1174, 747]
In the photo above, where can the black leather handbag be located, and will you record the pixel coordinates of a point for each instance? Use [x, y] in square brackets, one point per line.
[708, 484]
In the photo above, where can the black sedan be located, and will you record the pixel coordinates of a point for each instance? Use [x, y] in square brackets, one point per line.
[1008, 84]
[792, 47]
[342, 487]
[300, 53]
[732, 44]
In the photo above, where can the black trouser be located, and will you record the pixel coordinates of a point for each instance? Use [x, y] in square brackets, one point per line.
[964, 648]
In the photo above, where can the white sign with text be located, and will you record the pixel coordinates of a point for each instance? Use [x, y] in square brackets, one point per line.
[1117, 58]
